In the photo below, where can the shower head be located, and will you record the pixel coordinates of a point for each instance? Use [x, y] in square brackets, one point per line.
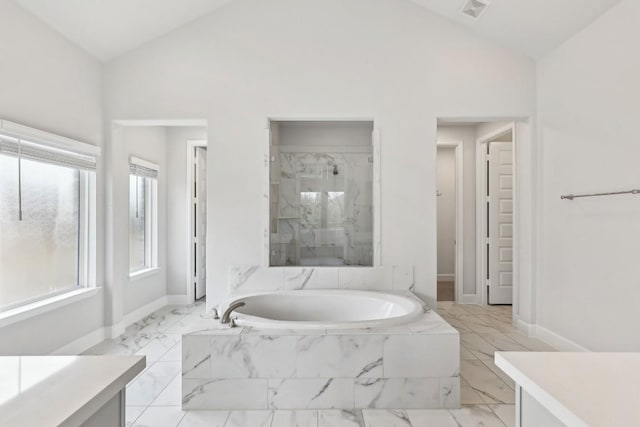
[335, 169]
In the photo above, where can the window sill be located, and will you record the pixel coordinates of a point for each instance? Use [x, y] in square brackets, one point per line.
[33, 309]
[141, 274]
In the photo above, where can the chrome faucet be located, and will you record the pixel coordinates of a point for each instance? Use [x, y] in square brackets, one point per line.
[226, 317]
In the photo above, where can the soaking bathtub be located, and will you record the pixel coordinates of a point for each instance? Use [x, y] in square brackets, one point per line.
[325, 309]
[323, 349]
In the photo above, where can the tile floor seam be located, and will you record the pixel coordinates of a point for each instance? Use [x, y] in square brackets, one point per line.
[162, 391]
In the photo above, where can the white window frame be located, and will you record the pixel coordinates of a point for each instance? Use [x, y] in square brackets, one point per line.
[151, 221]
[86, 285]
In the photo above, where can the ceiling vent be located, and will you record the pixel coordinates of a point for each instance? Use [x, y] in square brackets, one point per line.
[475, 8]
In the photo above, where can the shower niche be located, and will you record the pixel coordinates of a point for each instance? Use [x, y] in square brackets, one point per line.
[321, 193]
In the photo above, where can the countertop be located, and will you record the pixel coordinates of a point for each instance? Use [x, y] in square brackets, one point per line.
[60, 390]
[580, 389]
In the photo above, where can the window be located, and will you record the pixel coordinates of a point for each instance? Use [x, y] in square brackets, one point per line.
[47, 217]
[143, 214]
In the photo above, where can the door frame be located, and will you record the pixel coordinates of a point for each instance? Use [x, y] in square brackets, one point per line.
[458, 147]
[481, 212]
[191, 146]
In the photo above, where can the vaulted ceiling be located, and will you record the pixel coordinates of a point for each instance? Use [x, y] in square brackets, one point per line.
[107, 29]
[533, 27]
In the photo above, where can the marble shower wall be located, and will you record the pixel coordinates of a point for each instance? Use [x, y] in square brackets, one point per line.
[244, 278]
[321, 209]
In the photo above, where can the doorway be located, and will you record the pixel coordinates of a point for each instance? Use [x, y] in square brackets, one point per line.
[197, 214]
[449, 198]
[496, 214]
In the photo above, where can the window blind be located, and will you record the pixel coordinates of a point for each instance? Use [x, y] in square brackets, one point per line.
[17, 147]
[139, 167]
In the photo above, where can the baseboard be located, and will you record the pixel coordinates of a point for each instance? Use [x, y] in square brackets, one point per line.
[528, 328]
[557, 341]
[109, 332]
[116, 330]
[468, 299]
[177, 300]
[446, 277]
[144, 311]
[83, 343]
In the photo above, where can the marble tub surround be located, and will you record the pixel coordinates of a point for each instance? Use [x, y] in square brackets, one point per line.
[408, 366]
[246, 278]
[165, 409]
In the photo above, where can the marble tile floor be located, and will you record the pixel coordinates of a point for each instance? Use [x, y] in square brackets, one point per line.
[153, 398]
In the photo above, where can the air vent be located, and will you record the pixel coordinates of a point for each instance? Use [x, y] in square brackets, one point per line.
[475, 8]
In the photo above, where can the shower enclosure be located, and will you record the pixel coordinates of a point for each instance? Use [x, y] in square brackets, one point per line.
[321, 194]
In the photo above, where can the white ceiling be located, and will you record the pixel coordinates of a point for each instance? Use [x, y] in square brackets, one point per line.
[109, 28]
[533, 27]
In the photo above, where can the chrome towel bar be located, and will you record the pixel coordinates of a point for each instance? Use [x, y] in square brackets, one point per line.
[613, 193]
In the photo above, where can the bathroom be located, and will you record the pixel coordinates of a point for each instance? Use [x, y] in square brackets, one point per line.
[321, 122]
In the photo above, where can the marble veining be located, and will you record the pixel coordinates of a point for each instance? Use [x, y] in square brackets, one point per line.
[299, 279]
[387, 418]
[321, 209]
[415, 365]
[398, 393]
[196, 357]
[340, 356]
[245, 278]
[236, 393]
[341, 418]
[252, 356]
[321, 393]
[475, 412]
[253, 277]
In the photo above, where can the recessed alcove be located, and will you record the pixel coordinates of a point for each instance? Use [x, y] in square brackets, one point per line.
[321, 193]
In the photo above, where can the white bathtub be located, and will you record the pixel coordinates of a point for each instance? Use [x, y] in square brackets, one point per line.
[325, 309]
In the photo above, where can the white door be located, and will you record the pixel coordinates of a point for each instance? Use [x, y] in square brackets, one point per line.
[446, 213]
[200, 222]
[500, 232]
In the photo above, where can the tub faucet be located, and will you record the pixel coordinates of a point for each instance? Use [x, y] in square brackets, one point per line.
[226, 317]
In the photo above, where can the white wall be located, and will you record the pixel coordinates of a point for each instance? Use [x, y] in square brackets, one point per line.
[51, 85]
[253, 60]
[466, 134]
[588, 92]
[177, 193]
[446, 160]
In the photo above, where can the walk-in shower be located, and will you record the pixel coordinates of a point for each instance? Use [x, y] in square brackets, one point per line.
[321, 193]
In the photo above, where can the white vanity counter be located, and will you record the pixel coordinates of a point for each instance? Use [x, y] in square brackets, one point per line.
[574, 389]
[65, 390]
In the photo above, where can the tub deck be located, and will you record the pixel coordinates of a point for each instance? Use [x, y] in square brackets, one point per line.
[410, 366]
